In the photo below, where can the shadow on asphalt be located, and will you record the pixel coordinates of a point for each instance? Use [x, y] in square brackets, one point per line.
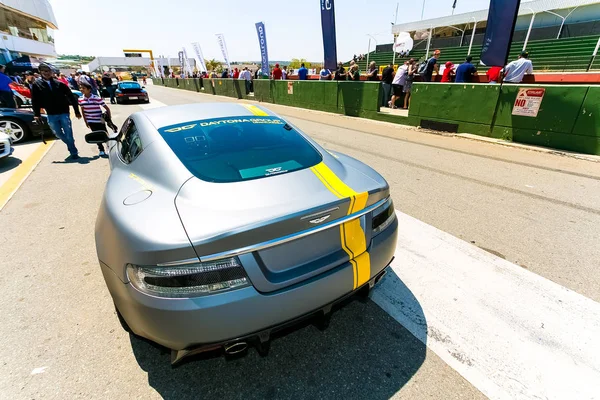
[363, 354]
[80, 160]
[9, 163]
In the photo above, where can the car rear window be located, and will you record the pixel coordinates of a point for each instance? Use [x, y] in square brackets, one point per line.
[240, 148]
[129, 85]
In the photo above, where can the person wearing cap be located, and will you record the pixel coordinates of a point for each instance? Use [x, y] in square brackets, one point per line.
[91, 107]
[448, 72]
[277, 73]
[29, 79]
[55, 97]
[516, 70]
[432, 66]
[466, 71]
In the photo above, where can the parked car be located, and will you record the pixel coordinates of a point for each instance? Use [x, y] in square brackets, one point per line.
[21, 100]
[128, 91]
[22, 95]
[221, 223]
[20, 125]
[6, 148]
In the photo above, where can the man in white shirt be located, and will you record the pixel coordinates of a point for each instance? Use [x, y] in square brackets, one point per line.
[246, 76]
[398, 83]
[516, 70]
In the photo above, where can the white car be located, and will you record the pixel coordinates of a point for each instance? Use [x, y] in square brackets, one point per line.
[6, 148]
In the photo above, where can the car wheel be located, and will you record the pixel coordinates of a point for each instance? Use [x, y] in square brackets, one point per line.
[17, 130]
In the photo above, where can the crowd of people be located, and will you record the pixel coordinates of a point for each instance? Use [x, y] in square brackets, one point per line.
[52, 92]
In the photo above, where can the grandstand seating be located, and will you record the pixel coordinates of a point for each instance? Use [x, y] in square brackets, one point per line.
[568, 54]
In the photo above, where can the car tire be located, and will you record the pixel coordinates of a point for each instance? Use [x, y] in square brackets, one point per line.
[19, 131]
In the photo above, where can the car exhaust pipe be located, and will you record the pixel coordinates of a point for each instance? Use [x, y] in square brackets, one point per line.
[235, 348]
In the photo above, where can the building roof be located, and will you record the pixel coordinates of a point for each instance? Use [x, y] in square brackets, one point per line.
[481, 15]
[38, 9]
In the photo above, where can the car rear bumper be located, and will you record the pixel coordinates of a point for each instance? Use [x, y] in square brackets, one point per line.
[5, 148]
[211, 321]
[140, 97]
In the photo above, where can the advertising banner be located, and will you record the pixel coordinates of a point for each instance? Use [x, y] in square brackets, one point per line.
[181, 62]
[200, 56]
[221, 39]
[264, 55]
[501, 21]
[329, 40]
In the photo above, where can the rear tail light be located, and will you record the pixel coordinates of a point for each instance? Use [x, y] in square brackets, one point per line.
[383, 216]
[189, 280]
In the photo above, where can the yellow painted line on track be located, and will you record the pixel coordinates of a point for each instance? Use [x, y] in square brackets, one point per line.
[10, 187]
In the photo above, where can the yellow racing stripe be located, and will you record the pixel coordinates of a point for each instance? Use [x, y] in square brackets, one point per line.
[255, 110]
[352, 236]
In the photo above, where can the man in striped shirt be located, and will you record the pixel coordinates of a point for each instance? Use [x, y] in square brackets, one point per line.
[91, 108]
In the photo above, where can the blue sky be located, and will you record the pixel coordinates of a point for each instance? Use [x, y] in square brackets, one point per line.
[105, 27]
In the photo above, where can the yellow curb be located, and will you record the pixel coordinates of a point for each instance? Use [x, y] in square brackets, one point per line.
[9, 188]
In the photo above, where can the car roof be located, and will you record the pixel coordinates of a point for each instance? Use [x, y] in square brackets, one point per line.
[172, 115]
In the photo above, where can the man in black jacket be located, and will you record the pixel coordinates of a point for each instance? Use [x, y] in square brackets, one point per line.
[55, 97]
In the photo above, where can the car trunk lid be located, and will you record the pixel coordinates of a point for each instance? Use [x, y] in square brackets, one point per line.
[295, 210]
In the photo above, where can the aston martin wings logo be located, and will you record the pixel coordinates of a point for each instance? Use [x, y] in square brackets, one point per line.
[320, 219]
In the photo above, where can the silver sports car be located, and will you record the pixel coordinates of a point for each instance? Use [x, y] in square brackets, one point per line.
[221, 223]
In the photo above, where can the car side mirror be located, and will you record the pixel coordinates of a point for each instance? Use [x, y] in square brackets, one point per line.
[97, 137]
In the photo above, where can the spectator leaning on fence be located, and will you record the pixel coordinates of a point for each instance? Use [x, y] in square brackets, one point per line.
[277, 74]
[302, 73]
[466, 71]
[340, 73]
[448, 73]
[432, 65]
[493, 74]
[516, 70]
[324, 74]
[372, 74]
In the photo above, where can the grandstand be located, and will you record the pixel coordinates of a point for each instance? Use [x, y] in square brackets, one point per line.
[562, 42]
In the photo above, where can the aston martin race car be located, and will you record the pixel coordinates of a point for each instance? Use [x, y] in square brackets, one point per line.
[221, 223]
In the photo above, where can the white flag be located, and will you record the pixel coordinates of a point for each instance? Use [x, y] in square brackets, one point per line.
[221, 39]
[188, 67]
[198, 51]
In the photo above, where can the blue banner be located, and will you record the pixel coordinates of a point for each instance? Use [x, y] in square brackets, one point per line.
[501, 22]
[329, 42]
[264, 55]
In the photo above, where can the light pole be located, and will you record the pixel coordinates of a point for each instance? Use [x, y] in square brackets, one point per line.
[472, 35]
[530, 27]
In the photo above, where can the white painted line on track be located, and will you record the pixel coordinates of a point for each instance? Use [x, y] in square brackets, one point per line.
[153, 104]
[511, 333]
